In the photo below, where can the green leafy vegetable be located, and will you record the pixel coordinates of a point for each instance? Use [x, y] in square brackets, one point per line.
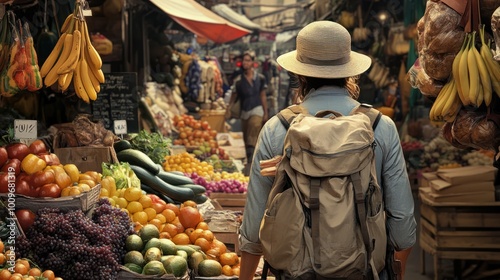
[153, 144]
[122, 173]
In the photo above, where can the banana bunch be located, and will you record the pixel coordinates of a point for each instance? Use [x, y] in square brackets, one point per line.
[478, 74]
[447, 104]
[74, 60]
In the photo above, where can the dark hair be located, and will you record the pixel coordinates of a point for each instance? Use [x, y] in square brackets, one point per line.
[249, 54]
[308, 83]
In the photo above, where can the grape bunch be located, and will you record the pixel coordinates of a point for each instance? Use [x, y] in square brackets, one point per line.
[75, 246]
[222, 185]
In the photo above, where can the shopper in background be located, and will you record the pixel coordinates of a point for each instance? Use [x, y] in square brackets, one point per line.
[250, 88]
[327, 71]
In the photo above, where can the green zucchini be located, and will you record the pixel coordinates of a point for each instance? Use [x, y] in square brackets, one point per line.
[197, 189]
[138, 158]
[150, 190]
[173, 178]
[174, 192]
[122, 145]
[200, 199]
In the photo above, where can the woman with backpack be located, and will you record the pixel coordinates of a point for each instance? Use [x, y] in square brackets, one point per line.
[327, 70]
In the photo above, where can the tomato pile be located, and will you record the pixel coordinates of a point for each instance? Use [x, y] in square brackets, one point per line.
[35, 172]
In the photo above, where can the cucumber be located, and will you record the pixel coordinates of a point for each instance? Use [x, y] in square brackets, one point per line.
[197, 189]
[200, 199]
[122, 145]
[180, 173]
[164, 197]
[174, 192]
[174, 179]
[138, 158]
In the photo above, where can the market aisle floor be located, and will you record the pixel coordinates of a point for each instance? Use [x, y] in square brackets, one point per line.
[413, 265]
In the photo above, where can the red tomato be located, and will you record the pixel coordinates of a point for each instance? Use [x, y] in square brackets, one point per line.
[26, 218]
[154, 198]
[13, 165]
[38, 147]
[17, 150]
[3, 156]
[50, 190]
[4, 182]
[41, 178]
[23, 187]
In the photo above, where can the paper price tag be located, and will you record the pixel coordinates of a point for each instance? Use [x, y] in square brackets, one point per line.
[120, 127]
[25, 129]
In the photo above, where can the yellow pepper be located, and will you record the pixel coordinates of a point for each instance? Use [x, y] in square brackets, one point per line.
[109, 184]
[72, 171]
[32, 164]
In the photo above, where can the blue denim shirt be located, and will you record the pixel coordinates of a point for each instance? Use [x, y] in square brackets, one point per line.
[390, 164]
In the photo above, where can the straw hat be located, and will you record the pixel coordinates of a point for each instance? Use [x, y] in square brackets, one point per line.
[324, 51]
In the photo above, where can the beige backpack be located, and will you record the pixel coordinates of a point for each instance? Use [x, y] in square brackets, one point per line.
[325, 215]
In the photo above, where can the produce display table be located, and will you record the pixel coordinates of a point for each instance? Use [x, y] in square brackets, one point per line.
[459, 231]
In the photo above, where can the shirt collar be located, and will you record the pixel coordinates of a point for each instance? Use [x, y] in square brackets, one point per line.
[327, 90]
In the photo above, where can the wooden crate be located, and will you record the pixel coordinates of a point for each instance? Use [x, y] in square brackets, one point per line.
[459, 231]
[230, 201]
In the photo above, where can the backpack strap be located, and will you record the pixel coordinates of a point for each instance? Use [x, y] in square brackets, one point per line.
[368, 110]
[359, 199]
[287, 115]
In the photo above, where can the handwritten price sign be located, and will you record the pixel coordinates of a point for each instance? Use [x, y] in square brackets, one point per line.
[25, 129]
[120, 127]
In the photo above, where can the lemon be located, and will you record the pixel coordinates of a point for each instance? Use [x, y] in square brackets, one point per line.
[134, 207]
[121, 202]
[132, 194]
[141, 217]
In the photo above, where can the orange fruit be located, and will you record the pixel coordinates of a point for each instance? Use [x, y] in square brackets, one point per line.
[159, 207]
[165, 234]
[137, 227]
[181, 239]
[2, 246]
[208, 235]
[35, 271]
[132, 194]
[169, 215]
[140, 217]
[171, 229]
[195, 235]
[227, 270]
[188, 231]
[189, 217]
[180, 227]
[145, 201]
[189, 203]
[203, 243]
[220, 246]
[161, 218]
[5, 274]
[3, 259]
[156, 223]
[151, 213]
[49, 274]
[213, 253]
[134, 206]
[25, 262]
[228, 258]
[202, 225]
[236, 271]
[172, 207]
[21, 268]
[16, 276]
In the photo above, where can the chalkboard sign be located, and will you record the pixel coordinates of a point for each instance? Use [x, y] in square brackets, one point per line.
[118, 100]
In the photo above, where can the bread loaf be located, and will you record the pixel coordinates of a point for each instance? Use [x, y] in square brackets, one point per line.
[442, 38]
